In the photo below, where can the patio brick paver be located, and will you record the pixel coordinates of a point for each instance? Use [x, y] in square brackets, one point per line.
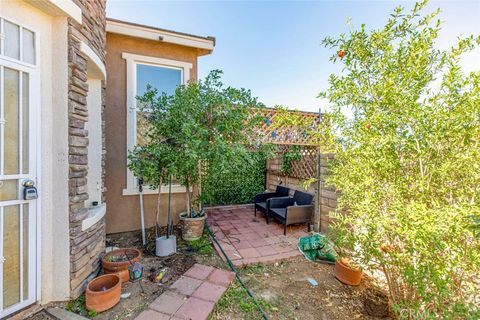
[221, 277]
[186, 285]
[152, 315]
[192, 297]
[168, 303]
[195, 309]
[209, 291]
[199, 271]
[247, 239]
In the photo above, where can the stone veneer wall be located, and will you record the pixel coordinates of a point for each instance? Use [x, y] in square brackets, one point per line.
[328, 195]
[86, 247]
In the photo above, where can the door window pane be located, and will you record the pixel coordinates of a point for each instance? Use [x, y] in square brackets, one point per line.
[11, 115]
[25, 250]
[25, 120]
[28, 46]
[12, 40]
[11, 253]
[8, 190]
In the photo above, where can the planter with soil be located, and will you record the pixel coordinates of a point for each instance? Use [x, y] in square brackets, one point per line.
[103, 292]
[346, 273]
[118, 261]
[192, 228]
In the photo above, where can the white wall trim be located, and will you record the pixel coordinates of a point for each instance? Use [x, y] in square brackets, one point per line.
[132, 60]
[159, 61]
[176, 188]
[155, 34]
[96, 68]
[94, 215]
[58, 8]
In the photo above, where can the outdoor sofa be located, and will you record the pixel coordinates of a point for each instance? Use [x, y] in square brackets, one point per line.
[261, 200]
[291, 210]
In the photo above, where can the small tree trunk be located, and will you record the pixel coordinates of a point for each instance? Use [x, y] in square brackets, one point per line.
[157, 215]
[200, 185]
[189, 205]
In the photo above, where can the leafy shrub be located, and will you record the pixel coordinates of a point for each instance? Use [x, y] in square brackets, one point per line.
[293, 154]
[236, 183]
[408, 163]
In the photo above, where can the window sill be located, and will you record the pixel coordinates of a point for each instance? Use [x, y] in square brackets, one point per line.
[94, 215]
[134, 191]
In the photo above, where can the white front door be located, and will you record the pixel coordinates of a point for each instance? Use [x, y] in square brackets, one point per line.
[18, 164]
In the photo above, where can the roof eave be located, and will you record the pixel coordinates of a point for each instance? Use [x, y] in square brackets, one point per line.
[157, 34]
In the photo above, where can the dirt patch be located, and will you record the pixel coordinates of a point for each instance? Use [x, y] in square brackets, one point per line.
[143, 292]
[282, 288]
[376, 303]
[285, 293]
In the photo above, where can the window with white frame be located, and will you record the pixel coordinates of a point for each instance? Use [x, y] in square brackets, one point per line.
[165, 75]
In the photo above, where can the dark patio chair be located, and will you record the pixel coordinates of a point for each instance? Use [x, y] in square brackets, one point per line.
[262, 198]
[291, 210]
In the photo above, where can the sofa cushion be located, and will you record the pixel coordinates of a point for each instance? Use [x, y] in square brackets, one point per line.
[262, 205]
[282, 191]
[302, 198]
[281, 212]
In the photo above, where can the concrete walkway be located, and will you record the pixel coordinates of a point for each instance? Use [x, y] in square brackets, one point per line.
[247, 239]
[192, 297]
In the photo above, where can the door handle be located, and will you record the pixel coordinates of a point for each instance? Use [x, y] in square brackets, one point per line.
[28, 183]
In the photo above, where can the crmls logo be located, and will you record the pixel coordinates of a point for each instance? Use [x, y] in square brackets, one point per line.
[413, 314]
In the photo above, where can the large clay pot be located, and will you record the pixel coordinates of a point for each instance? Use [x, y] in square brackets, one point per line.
[117, 261]
[346, 274]
[103, 292]
[192, 228]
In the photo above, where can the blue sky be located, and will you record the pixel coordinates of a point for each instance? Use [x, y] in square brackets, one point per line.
[274, 48]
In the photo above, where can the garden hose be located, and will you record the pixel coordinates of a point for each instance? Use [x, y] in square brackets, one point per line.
[212, 235]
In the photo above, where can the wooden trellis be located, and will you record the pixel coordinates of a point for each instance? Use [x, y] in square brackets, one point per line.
[304, 168]
[289, 135]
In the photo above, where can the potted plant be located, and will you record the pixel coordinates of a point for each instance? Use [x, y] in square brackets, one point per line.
[201, 124]
[346, 269]
[118, 261]
[149, 163]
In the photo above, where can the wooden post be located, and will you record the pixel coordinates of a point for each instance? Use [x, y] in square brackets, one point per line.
[318, 201]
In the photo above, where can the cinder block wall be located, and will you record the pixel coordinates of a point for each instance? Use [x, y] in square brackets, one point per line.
[86, 246]
[328, 194]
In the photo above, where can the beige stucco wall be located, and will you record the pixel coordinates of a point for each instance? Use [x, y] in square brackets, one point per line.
[123, 212]
[52, 148]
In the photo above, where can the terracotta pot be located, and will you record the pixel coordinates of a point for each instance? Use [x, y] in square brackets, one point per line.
[103, 292]
[116, 261]
[346, 274]
[192, 228]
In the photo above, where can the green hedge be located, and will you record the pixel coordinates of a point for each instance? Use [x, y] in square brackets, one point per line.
[236, 184]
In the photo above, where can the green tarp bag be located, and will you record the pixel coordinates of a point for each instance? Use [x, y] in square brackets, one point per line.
[317, 246]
